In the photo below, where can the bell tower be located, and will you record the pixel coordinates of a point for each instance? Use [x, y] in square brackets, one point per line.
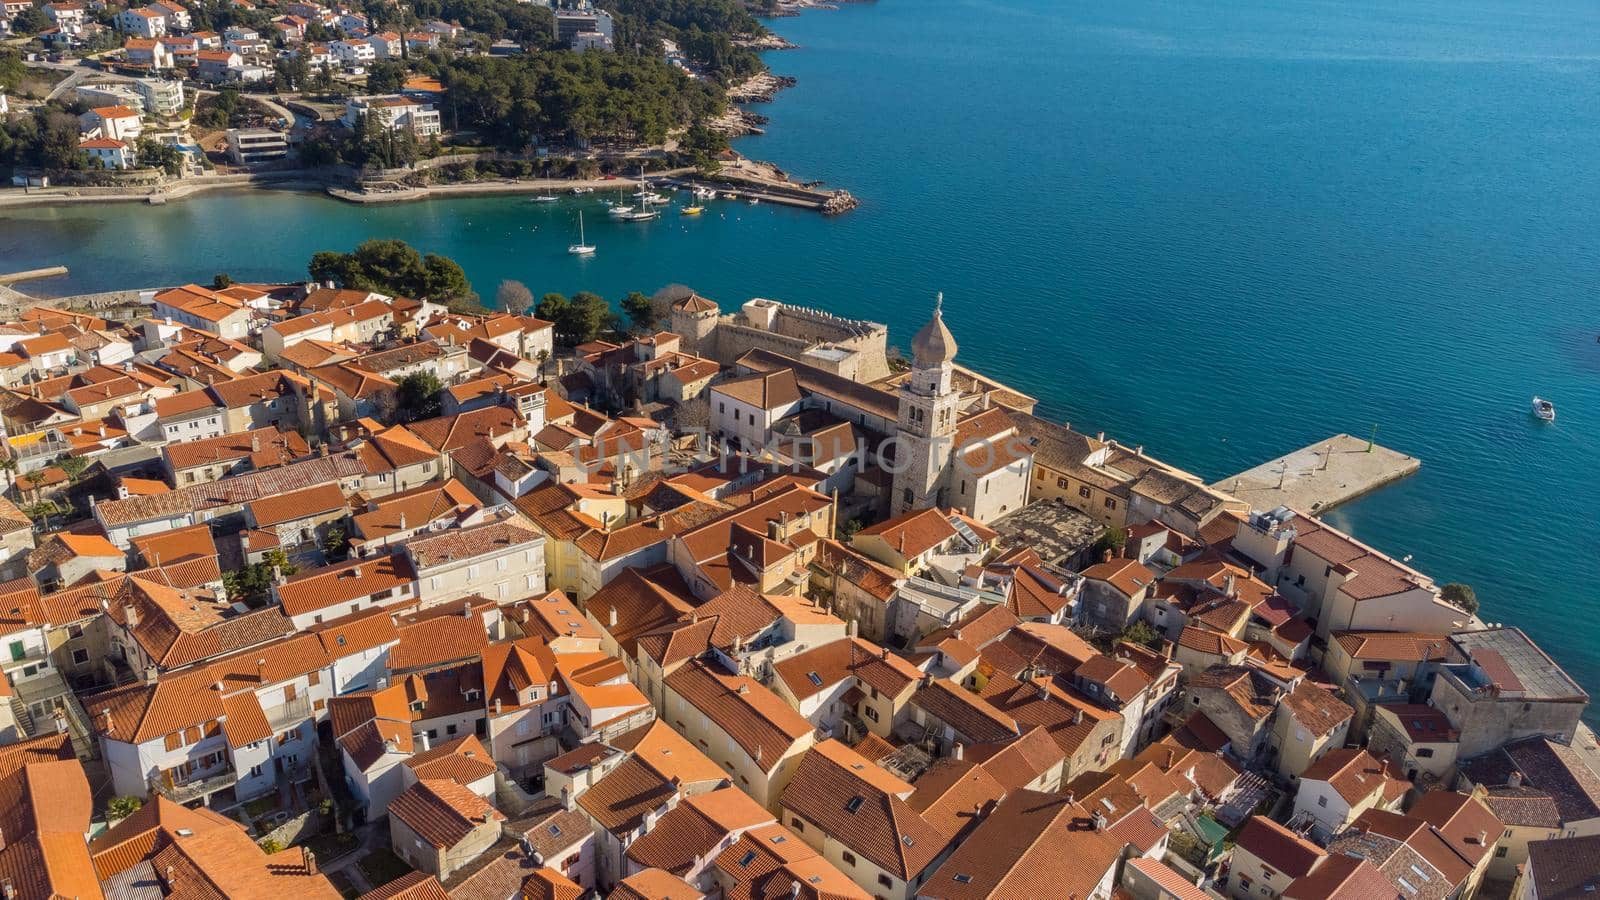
[927, 422]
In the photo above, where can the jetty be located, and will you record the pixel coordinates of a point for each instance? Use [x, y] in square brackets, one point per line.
[32, 274]
[1318, 477]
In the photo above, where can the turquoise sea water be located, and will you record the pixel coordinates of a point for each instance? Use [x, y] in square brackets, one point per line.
[1220, 229]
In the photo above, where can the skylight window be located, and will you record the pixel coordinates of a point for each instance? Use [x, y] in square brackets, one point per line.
[555, 830]
[855, 803]
[963, 878]
[906, 839]
[815, 678]
[748, 858]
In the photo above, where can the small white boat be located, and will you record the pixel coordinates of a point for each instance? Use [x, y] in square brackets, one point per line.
[702, 193]
[583, 190]
[755, 201]
[617, 211]
[1544, 409]
[582, 247]
[543, 198]
[642, 215]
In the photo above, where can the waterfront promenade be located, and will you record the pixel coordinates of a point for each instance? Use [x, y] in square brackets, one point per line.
[1316, 478]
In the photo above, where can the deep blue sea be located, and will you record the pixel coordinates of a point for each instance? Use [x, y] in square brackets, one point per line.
[1220, 229]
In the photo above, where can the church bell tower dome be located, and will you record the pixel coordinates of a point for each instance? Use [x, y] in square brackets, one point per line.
[934, 345]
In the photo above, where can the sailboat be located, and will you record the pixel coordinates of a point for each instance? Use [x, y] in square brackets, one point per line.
[582, 247]
[545, 197]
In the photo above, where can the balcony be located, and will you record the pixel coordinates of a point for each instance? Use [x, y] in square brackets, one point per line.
[193, 788]
[289, 714]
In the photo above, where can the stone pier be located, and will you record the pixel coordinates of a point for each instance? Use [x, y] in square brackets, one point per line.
[1316, 478]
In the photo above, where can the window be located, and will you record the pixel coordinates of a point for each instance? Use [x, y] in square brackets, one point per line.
[74, 631]
[798, 826]
[1111, 503]
[79, 657]
[849, 858]
[1425, 753]
[1083, 491]
[1500, 852]
[1322, 801]
[886, 881]
[870, 713]
[175, 740]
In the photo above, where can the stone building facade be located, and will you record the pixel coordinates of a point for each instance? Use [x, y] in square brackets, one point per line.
[850, 348]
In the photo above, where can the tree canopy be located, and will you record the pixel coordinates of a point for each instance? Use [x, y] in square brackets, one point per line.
[583, 317]
[518, 101]
[392, 267]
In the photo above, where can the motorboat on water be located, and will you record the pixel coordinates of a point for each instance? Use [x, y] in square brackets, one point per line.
[692, 210]
[1544, 409]
[704, 193]
[582, 247]
[583, 190]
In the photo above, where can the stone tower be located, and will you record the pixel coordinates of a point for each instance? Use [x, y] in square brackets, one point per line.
[927, 422]
[694, 319]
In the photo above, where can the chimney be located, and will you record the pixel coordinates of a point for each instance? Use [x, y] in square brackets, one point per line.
[1100, 436]
[1099, 821]
[1515, 779]
[613, 617]
[261, 669]
[310, 860]
[959, 750]
[105, 725]
[1077, 716]
[130, 614]
[402, 520]
[1230, 588]
[1043, 684]
[566, 798]
[255, 443]
[151, 673]
[497, 706]
[850, 629]
[466, 609]
[8, 889]
[794, 889]
[744, 688]
[422, 739]
[1105, 555]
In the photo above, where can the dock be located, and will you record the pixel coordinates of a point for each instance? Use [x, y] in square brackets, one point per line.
[1316, 478]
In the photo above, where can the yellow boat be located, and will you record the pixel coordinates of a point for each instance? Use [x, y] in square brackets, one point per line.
[693, 210]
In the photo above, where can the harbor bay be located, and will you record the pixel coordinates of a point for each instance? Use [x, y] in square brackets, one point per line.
[1221, 231]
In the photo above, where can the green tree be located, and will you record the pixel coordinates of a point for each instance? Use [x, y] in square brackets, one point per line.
[1141, 632]
[1113, 539]
[640, 311]
[556, 308]
[588, 316]
[221, 280]
[336, 544]
[156, 155]
[386, 76]
[1461, 596]
[31, 21]
[73, 466]
[12, 69]
[849, 529]
[392, 267]
[513, 297]
[418, 396]
[123, 807]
